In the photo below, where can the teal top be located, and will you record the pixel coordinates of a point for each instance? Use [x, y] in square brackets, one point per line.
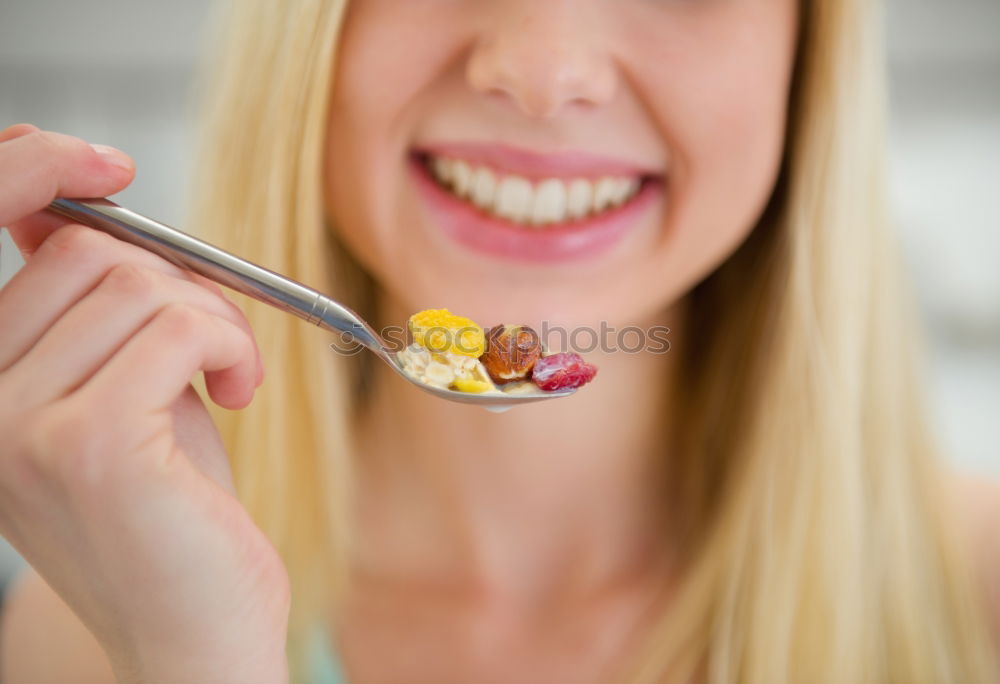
[323, 667]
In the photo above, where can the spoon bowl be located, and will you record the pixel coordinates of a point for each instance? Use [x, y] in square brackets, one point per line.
[191, 254]
[499, 400]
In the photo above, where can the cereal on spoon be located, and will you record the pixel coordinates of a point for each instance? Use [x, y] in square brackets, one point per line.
[453, 352]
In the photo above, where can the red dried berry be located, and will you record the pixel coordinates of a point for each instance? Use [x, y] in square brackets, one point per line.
[565, 370]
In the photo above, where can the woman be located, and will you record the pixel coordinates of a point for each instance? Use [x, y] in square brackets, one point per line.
[760, 504]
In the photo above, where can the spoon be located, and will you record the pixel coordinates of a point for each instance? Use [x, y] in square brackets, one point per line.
[192, 254]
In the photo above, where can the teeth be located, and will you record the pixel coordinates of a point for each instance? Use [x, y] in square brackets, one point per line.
[550, 202]
[578, 201]
[631, 189]
[461, 178]
[442, 169]
[604, 194]
[513, 199]
[484, 187]
[618, 190]
[517, 199]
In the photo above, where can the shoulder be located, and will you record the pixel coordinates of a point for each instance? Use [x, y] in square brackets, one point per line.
[36, 626]
[978, 499]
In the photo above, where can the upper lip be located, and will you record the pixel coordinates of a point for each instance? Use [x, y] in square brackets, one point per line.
[531, 164]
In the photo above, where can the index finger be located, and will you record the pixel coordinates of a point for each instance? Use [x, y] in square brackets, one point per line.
[37, 166]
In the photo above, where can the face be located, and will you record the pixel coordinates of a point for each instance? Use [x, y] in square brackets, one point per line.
[569, 161]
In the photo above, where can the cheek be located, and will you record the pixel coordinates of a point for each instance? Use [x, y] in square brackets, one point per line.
[721, 107]
[715, 86]
[370, 123]
[731, 142]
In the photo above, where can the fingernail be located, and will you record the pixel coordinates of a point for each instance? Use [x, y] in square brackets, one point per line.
[114, 157]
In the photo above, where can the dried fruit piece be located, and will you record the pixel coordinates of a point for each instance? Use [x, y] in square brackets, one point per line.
[565, 370]
[511, 352]
[442, 331]
[452, 352]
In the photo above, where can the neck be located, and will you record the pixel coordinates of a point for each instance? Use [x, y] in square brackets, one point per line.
[565, 495]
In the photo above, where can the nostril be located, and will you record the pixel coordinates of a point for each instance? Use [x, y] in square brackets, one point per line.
[542, 69]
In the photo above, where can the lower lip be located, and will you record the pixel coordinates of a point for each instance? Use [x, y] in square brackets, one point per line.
[481, 232]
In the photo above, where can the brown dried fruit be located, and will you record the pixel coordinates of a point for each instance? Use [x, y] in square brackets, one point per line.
[511, 352]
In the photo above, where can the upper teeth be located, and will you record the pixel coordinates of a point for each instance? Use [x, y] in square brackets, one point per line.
[517, 199]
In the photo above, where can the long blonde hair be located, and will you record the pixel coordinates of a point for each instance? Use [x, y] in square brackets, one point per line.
[819, 541]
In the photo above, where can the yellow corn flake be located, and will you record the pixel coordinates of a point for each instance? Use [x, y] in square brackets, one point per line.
[442, 331]
[472, 385]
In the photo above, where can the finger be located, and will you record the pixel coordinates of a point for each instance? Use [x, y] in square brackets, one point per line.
[16, 131]
[157, 364]
[39, 166]
[94, 328]
[70, 263]
[34, 229]
[46, 223]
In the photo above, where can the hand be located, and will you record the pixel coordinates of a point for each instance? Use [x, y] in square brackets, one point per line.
[113, 482]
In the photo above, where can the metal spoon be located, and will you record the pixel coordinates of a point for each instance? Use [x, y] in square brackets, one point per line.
[195, 255]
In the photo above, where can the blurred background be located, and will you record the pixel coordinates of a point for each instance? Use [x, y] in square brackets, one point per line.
[121, 72]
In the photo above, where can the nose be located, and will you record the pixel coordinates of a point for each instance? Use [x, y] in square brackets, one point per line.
[543, 56]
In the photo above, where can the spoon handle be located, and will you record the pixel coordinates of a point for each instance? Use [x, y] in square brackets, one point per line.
[218, 265]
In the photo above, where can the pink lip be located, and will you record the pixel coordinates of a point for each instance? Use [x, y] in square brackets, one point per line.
[473, 229]
[533, 165]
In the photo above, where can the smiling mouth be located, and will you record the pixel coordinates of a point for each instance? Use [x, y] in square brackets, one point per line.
[535, 203]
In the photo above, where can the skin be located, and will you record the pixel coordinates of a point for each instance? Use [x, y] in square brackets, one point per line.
[522, 578]
[694, 90]
[114, 477]
[548, 555]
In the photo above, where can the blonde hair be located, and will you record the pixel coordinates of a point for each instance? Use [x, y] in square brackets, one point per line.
[819, 541]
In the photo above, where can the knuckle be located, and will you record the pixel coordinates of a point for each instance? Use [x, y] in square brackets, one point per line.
[239, 316]
[37, 440]
[71, 240]
[130, 280]
[211, 292]
[20, 465]
[249, 343]
[65, 445]
[209, 285]
[43, 139]
[58, 144]
[56, 149]
[178, 321]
